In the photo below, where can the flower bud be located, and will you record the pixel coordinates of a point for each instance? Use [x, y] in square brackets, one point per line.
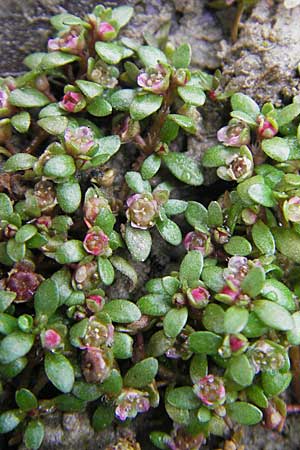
[106, 31]
[96, 365]
[267, 128]
[91, 208]
[44, 222]
[238, 343]
[229, 295]
[51, 339]
[142, 211]
[250, 215]
[96, 242]
[6, 109]
[198, 297]
[10, 231]
[237, 269]
[211, 391]
[45, 195]
[70, 42]
[238, 168]
[291, 209]
[86, 276]
[181, 76]
[196, 240]
[95, 303]
[235, 134]
[179, 299]
[155, 79]
[79, 141]
[221, 235]
[42, 83]
[131, 402]
[127, 129]
[73, 102]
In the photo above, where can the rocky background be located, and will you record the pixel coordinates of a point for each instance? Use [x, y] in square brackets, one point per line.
[262, 63]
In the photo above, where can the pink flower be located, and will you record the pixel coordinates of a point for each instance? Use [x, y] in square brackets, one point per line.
[142, 210]
[51, 339]
[236, 343]
[131, 402]
[96, 365]
[95, 303]
[6, 109]
[211, 391]
[155, 79]
[198, 297]
[196, 240]
[232, 293]
[72, 102]
[98, 334]
[106, 31]
[71, 42]
[79, 141]
[235, 134]
[96, 242]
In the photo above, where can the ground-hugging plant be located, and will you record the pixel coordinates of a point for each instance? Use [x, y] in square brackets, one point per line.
[208, 343]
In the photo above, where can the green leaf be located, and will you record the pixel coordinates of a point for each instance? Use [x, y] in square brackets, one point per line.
[144, 105]
[61, 166]
[136, 182]
[106, 270]
[198, 367]
[261, 194]
[274, 383]
[26, 400]
[158, 344]
[112, 53]
[196, 215]
[46, 298]
[191, 267]
[142, 373]
[102, 417]
[169, 131]
[150, 166]
[99, 107]
[69, 196]
[181, 58]
[21, 122]
[19, 161]
[293, 335]
[14, 346]
[273, 315]
[256, 395]
[174, 207]
[139, 242]
[154, 304]
[123, 346]
[276, 148]
[215, 215]
[56, 59]
[255, 327]
[34, 434]
[205, 342]
[122, 99]
[217, 155]
[9, 420]
[193, 95]
[6, 207]
[160, 439]
[287, 243]
[240, 370]
[238, 245]
[122, 15]
[69, 403]
[169, 231]
[6, 299]
[235, 319]
[8, 323]
[59, 371]
[107, 147]
[244, 413]
[171, 285]
[105, 220]
[34, 59]
[186, 123]
[122, 311]
[125, 268]
[213, 278]
[70, 252]
[25, 233]
[87, 391]
[15, 250]
[183, 168]
[89, 89]
[28, 98]
[263, 238]
[287, 114]
[151, 56]
[244, 103]
[183, 398]
[174, 321]
[113, 384]
[253, 283]
[279, 293]
[213, 318]
[54, 125]
[11, 370]
[243, 117]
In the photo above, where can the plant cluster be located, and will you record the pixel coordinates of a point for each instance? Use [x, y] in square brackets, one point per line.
[208, 342]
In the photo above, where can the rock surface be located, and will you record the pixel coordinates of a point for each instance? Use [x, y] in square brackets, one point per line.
[261, 63]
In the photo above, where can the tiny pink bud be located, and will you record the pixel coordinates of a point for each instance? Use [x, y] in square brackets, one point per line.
[266, 128]
[233, 294]
[71, 42]
[44, 221]
[79, 141]
[72, 102]
[95, 303]
[106, 31]
[96, 242]
[198, 297]
[51, 339]
[196, 240]
[155, 79]
[236, 343]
